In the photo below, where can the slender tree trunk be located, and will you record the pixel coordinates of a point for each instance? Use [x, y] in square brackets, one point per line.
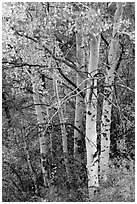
[63, 128]
[42, 139]
[108, 95]
[79, 108]
[91, 115]
[50, 136]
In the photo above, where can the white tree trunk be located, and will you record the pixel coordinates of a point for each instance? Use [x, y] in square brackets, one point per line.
[42, 139]
[91, 115]
[108, 96]
[79, 108]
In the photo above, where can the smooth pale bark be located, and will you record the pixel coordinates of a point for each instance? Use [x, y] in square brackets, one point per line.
[91, 116]
[42, 139]
[62, 120]
[79, 107]
[108, 96]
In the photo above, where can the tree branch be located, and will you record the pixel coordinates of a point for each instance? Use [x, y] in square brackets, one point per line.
[69, 124]
[102, 37]
[120, 57]
[70, 82]
[72, 65]
[42, 66]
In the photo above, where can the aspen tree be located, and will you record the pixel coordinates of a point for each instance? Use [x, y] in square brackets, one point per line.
[43, 141]
[50, 136]
[91, 116]
[79, 107]
[108, 94]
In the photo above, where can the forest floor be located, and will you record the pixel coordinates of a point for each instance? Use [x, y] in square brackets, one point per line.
[120, 187]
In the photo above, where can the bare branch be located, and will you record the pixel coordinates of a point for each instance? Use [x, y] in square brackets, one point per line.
[102, 37]
[46, 49]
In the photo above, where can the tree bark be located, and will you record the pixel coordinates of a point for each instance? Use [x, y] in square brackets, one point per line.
[50, 136]
[108, 95]
[91, 115]
[42, 139]
[79, 107]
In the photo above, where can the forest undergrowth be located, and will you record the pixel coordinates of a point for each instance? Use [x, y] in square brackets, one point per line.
[120, 187]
